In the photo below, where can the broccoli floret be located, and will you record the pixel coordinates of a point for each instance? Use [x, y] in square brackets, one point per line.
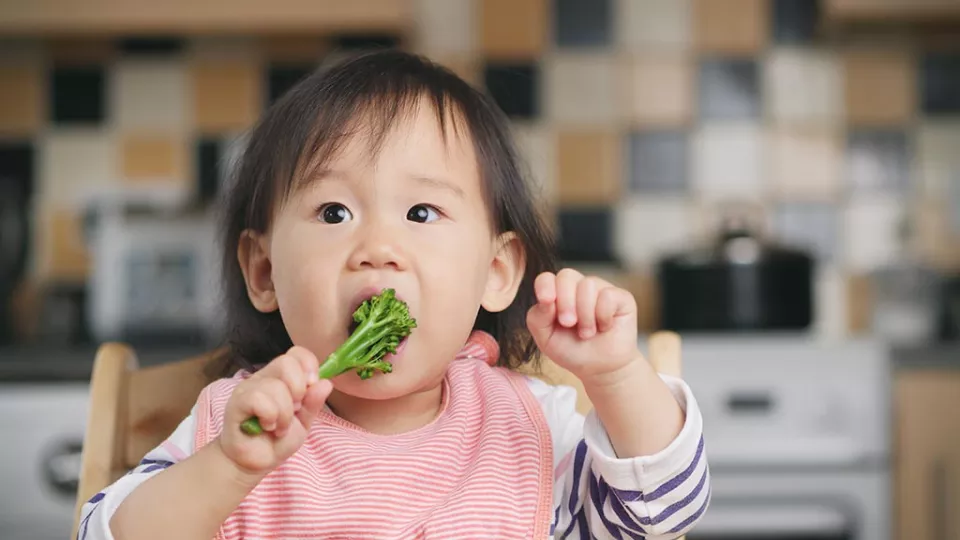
[383, 321]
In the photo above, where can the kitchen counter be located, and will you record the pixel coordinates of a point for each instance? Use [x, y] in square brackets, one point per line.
[945, 356]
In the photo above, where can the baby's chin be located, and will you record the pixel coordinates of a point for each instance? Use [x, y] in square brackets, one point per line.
[386, 386]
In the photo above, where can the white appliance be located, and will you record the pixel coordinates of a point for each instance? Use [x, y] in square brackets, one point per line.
[797, 433]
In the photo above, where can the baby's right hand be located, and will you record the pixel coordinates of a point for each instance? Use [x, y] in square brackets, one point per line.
[286, 397]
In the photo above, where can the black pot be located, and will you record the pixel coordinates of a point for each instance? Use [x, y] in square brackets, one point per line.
[737, 284]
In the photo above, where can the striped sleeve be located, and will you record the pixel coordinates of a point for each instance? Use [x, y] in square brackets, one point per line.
[96, 513]
[597, 495]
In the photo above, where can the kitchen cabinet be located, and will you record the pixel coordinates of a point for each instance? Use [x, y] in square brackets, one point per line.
[66, 17]
[927, 455]
[892, 10]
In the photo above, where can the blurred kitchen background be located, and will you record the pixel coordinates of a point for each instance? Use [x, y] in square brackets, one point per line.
[777, 180]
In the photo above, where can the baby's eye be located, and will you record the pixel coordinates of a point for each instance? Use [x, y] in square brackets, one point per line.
[334, 213]
[422, 213]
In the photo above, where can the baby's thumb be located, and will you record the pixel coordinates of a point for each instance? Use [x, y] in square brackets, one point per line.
[314, 401]
[540, 321]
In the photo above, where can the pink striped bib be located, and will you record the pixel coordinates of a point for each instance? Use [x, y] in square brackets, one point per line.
[482, 469]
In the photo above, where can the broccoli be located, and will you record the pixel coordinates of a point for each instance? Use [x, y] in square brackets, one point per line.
[381, 323]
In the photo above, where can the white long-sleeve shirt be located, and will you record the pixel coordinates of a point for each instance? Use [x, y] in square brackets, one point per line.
[596, 494]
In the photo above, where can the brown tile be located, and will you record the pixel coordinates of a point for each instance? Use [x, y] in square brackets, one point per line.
[81, 51]
[937, 243]
[20, 99]
[513, 29]
[643, 286]
[467, 67]
[148, 158]
[879, 87]
[731, 26]
[859, 303]
[66, 254]
[25, 306]
[658, 90]
[589, 167]
[294, 48]
[227, 96]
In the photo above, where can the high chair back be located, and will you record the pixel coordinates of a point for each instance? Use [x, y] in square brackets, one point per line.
[133, 409]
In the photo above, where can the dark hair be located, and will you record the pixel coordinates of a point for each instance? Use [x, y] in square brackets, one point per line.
[304, 128]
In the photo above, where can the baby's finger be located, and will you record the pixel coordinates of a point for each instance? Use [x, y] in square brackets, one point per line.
[611, 302]
[308, 362]
[288, 369]
[265, 408]
[545, 287]
[314, 402]
[280, 394]
[541, 318]
[567, 281]
[587, 307]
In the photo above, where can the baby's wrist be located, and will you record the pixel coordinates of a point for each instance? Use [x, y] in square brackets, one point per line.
[241, 476]
[628, 375]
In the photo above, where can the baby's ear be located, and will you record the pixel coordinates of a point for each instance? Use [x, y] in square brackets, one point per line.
[253, 254]
[505, 274]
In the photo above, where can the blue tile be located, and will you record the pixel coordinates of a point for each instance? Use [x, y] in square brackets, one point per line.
[586, 235]
[515, 88]
[810, 226]
[729, 88]
[795, 21]
[879, 161]
[658, 161]
[583, 23]
[77, 95]
[940, 83]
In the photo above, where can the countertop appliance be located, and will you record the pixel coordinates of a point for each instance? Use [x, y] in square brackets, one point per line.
[797, 434]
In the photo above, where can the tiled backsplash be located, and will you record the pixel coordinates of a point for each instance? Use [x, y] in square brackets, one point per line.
[638, 118]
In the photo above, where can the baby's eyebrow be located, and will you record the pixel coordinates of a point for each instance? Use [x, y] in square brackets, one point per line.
[440, 183]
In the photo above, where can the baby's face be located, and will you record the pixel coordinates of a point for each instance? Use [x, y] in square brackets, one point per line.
[412, 218]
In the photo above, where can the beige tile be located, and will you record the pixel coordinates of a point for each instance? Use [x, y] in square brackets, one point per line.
[21, 99]
[938, 157]
[537, 147]
[659, 90]
[937, 241]
[728, 162]
[831, 316]
[466, 66]
[447, 27]
[643, 25]
[859, 303]
[731, 26]
[649, 227]
[804, 87]
[513, 29]
[154, 159]
[227, 96]
[76, 164]
[879, 87]
[871, 232]
[150, 95]
[582, 89]
[63, 252]
[806, 164]
[589, 167]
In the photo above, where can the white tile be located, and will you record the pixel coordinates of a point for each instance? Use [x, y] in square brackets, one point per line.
[76, 164]
[646, 24]
[830, 303]
[445, 27]
[647, 227]
[871, 226]
[806, 165]
[728, 161]
[537, 147]
[803, 87]
[151, 95]
[581, 89]
[938, 159]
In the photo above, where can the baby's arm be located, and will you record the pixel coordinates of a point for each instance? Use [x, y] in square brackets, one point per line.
[659, 496]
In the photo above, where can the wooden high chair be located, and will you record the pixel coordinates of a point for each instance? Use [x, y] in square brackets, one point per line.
[133, 409]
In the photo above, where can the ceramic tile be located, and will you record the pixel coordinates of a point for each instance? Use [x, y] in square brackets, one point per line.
[537, 146]
[75, 164]
[940, 83]
[643, 25]
[582, 23]
[589, 167]
[467, 67]
[513, 29]
[727, 161]
[937, 238]
[659, 90]
[658, 161]
[729, 89]
[446, 26]
[803, 87]
[831, 313]
[938, 160]
[294, 49]
[77, 94]
[806, 164]
[581, 89]
[795, 21]
[871, 232]
[879, 86]
[879, 160]
[18, 165]
[155, 159]
[813, 227]
[21, 103]
[515, 88]
[859, 289]
[227, 95]
[731, 26]
[63, 254]
[586, 235]
[649, 227]
[151, 95]
[283, 77]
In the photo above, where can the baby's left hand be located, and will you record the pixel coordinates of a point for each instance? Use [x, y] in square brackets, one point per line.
[584, 324]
